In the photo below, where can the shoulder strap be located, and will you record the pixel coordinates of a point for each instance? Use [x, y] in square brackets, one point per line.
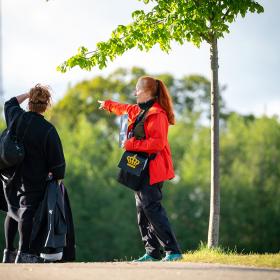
[140, 117]
[21, 130]
[12, 122]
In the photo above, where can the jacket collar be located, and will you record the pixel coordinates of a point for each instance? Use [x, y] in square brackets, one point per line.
[36, 114]
[155, 109]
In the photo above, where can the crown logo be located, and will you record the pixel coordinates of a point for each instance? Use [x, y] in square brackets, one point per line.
[132, 161]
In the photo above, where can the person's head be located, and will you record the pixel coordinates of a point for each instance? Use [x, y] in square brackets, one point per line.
[148, 88]
[39, 99]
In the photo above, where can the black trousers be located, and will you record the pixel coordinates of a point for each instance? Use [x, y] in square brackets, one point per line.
[152, 220]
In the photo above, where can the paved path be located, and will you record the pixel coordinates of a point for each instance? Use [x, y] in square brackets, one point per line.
[134, 271]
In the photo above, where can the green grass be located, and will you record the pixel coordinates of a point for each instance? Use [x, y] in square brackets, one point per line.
[221, 256]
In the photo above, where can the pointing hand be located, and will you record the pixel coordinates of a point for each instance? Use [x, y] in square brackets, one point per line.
[101, 104]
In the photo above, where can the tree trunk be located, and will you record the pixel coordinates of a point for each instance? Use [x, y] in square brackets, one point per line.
[214, 219]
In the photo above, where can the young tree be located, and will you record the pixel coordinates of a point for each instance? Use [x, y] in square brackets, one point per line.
[181, 21]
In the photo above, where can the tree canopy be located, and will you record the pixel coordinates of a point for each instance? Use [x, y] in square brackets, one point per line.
[173, 20]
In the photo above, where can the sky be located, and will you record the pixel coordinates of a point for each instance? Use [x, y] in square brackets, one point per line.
[38, 35]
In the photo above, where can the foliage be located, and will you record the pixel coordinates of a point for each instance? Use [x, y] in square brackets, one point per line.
[173, 20]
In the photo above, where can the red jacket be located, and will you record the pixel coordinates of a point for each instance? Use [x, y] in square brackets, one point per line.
[156, 130]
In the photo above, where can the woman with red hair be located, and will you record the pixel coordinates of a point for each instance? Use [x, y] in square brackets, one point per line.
[149, 120]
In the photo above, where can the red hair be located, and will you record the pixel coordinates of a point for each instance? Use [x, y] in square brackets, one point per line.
[39, 99]
[160, 92]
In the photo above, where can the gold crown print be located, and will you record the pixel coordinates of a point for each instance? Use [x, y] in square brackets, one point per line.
[132, 161]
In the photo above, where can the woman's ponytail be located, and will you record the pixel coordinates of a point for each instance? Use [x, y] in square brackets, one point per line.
[165, 101]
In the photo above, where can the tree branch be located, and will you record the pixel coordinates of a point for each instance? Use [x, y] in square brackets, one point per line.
[226, 14]
[159, 21]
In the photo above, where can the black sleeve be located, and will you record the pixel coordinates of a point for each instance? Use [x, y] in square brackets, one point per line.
[12, 109]
[54, 153]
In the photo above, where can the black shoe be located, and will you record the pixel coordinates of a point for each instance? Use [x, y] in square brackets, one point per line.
[27, 258]
[9, 256]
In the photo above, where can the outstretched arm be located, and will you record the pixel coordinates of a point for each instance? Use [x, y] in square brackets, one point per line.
[119, 109]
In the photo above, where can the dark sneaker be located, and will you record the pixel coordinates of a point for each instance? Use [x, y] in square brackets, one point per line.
[27, 258]
[146, 258]
[9, 256]
[172, 257]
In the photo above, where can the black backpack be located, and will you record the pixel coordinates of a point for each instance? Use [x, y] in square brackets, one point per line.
[11, 143]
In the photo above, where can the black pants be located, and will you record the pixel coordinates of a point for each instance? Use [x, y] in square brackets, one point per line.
[153, 223]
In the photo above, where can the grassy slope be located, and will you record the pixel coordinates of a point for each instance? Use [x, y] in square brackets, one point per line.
[228, 257]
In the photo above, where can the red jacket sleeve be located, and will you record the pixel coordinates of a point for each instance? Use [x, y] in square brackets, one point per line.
[156, 135]
[119, 109]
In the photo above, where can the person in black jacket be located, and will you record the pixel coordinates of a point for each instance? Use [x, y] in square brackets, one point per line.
[25, 184]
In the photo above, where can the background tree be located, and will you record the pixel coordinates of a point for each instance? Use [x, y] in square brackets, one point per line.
[104, 211]
[181, 21]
